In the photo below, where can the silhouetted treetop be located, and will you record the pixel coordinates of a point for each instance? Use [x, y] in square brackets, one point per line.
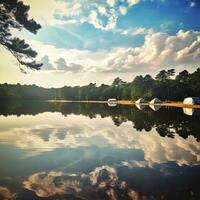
[14, 15]
[164, 75]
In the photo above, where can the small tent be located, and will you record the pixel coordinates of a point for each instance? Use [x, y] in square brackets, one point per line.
[141, 101]
[155, 100]
[192, 101]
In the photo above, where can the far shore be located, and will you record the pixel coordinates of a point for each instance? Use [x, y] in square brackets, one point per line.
[129, 102]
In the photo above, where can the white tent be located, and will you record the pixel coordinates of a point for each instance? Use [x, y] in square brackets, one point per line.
[155, 107]
[155, 100]
[140, 107]
[141, 101]
[191, 100]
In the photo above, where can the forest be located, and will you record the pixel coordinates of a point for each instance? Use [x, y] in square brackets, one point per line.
[165, 86]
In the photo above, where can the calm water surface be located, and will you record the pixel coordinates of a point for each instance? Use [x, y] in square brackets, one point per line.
[93, 151]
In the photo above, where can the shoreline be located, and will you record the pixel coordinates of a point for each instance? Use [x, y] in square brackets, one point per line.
[177, 104]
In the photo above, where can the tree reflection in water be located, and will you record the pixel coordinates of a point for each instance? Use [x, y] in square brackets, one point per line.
[167, 121]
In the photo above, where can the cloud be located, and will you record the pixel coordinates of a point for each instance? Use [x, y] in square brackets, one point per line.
[102, 10]
[77, 60]
[159, 50]
[111, 3]
[71, 67]
[61, 64]
[47, 15]
[134, 31]
[123, 10]
[102, 15]
[192, 4]
[133, 2]
[46, 63]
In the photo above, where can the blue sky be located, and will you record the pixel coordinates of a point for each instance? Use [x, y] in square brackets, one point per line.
[165, 16]
[83, 39]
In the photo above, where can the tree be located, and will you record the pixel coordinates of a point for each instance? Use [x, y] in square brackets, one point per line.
[170, 73]
[14, 15]
[161, 76]
[165, 81]
[165, 75]
[118, 81]
[183, 76]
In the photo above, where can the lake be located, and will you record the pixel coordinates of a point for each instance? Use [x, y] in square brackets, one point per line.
[58, 151]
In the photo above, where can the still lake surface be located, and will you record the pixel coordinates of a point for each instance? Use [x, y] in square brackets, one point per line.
[78, 151]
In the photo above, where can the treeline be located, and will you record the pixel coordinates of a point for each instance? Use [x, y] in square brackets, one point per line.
[165, 86]
[25, 92]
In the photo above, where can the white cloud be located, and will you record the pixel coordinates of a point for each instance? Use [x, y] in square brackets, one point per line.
[102, 10]
[78, 11]
[111, 3]
[123, 10]
[159, 50]
[133, 2]
[85, 59]
[72, 8]
[192, 4]
[43, 12]
[134, 31]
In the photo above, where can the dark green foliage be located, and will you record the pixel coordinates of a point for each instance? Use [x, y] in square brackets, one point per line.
[24, 92]
[163, 87]
[14, 15]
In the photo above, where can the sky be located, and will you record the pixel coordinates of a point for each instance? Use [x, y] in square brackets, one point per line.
[84, 41]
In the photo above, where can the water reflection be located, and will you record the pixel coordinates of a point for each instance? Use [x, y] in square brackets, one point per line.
[140, 107]
[92, 151]
[112, 104]
[155, 107]
[167, 121]
[191, 111]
